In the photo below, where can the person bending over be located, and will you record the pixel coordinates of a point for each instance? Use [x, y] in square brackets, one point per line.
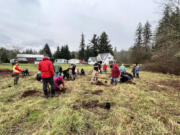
[66, 74]
[57, 82]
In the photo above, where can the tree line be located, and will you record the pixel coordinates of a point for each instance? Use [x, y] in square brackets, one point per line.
[158, 51]
[98, 44]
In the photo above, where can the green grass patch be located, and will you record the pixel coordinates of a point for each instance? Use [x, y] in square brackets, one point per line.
[152, 106]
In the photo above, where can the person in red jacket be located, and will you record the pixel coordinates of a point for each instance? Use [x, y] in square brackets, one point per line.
[105, 68]
[115, 73]
[16, 72]
[47, 74]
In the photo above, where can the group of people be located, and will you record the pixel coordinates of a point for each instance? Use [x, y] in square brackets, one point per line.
[123, 74]
[47, 75]
[135, 71]
[54, 74]
[116, 73]
[70, 73]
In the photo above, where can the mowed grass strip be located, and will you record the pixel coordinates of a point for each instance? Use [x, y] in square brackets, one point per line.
[152, 106]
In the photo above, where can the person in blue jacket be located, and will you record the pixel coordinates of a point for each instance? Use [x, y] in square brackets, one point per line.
[137, 70]
[122, 69]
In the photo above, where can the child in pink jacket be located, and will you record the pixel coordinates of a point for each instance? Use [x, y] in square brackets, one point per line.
[58, 81]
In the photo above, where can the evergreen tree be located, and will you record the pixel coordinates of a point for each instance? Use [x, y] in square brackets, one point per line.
[94, 45]
[64, 53]
[73, 55]
[147, 36]
[136, 50]
[104, 44]
[4, 56]
[167, 41]
[67, 52]
[46, 51]
[88, 52]
[147, 41]
[82, 48]
[139, 39]
[115, 53]
[57, 53]
[30, 51]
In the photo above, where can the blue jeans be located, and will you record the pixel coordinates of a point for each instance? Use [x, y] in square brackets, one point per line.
[114, 80]
[56, 74]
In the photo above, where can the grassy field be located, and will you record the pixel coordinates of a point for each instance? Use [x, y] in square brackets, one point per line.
[151, 107]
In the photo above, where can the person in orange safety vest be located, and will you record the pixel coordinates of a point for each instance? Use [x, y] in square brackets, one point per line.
[16, 72]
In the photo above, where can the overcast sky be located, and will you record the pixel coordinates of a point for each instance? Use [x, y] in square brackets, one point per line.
[32, 23]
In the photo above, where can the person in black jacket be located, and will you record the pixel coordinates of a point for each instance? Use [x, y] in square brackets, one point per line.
[73, 71]
[66, 74]
[60, 71]
[82, 72]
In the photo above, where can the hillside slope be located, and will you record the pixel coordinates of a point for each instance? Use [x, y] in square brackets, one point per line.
[152, 106]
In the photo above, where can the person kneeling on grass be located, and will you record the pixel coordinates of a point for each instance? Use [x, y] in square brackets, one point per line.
[127, 78]
[57, 82]
[115, 73]
[82, 72]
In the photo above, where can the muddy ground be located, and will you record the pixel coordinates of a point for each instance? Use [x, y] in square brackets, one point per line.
[5, 72]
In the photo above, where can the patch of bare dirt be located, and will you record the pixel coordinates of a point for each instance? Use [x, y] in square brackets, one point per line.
[171, 83]
[99, 83]
[5, 72]
[64, 90]
[92, 105]
[31, 93]
[97, 92]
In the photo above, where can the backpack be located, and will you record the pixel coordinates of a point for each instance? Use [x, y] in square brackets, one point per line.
[38, 76]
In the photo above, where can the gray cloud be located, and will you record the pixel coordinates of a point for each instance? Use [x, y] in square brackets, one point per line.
[32, 23]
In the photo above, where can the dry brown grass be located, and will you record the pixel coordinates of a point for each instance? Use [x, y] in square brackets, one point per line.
[149, 107]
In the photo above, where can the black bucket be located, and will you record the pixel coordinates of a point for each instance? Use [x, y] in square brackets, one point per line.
[108, 106]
